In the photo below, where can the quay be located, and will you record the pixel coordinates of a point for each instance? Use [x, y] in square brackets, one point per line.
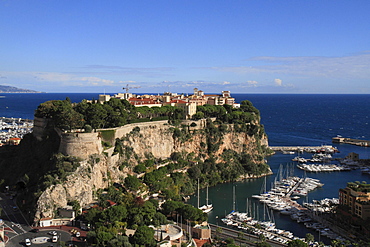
[357, 142]
[309, 149]
[242, 237]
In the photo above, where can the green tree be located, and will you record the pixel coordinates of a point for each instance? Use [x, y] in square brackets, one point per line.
[263, 244]
[115, 213]
[140, 168]
[61, 113]
[95, 116]
[75, 206]
[247, 106]
[309, 238]
[170, 207]
[262, 237]
[198, 115]
[93, 215]
[119, 241]
[103, 237]
[297, 243]
[144, 235]
[88, 128]
[132, 183]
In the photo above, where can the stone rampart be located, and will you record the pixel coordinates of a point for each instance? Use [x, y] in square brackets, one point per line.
[153, 137]
[123, 130]
[80, 144]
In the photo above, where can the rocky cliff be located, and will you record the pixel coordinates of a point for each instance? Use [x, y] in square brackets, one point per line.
[101, 165]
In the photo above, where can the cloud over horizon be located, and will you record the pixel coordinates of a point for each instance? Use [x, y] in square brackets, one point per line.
[350, 66]
[278, 82]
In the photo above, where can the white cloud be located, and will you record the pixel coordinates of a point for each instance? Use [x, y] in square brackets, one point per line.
[125, 71]
[59, 79]
[125, 82]
[96, 81]
[278, 82]
[226, 83]
[345, 67]
[252, 83]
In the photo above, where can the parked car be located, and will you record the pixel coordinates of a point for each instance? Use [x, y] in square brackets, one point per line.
[35, 230]
[54, 239]
[53, 233]
[28, 242]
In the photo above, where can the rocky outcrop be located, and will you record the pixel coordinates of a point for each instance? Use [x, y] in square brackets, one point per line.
[154, 138]
[80, 186]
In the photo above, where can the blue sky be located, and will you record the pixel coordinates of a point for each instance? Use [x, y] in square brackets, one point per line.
[245, 46]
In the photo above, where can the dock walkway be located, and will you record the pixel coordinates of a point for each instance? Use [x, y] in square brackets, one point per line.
[357, 142]
[324, 148]
[292, 148]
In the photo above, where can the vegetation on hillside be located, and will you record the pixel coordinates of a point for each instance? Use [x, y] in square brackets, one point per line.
[118, 112]
[113, 113]
[118, 210]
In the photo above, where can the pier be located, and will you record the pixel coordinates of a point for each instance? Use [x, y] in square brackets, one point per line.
[310, 149]
[357, 142]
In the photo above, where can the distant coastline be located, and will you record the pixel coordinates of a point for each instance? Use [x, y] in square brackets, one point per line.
[20, 92]
[9, 89]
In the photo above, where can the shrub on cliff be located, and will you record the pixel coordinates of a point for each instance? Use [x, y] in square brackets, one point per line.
[88, 128]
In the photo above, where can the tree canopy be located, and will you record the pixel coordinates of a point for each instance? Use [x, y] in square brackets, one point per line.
[113, 113]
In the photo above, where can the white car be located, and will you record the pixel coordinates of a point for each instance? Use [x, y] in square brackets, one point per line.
[54, 239]
[53, 233]
[27, 241]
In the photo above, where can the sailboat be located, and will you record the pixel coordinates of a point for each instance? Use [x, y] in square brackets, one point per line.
[208, 207]
[263, 192]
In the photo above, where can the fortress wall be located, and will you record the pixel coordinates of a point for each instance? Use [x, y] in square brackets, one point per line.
[80, 144]
[153, 137]
[123, 130]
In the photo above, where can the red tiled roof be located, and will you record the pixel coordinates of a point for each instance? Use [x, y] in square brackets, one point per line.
[46, 218]
[136, 101]
[111, 203]
[178, 101]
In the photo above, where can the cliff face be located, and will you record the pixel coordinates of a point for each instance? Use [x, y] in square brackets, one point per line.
[154, 138]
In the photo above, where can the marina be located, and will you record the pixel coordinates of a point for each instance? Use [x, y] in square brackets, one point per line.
[279, 199]
[14, 128]
[305, 204]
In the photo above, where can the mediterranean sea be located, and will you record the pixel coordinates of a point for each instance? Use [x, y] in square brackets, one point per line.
[289, 120]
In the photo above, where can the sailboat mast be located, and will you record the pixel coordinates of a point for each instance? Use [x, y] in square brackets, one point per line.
[234, 198]
[198, 193]
[207, 197]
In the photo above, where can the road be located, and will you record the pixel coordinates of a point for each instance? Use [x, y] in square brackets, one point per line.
[17, 229]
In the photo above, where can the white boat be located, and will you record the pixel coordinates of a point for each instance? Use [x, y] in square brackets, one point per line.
[205, 208]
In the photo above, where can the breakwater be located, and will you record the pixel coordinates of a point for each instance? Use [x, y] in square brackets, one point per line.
[308, 149]
[357, 142]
